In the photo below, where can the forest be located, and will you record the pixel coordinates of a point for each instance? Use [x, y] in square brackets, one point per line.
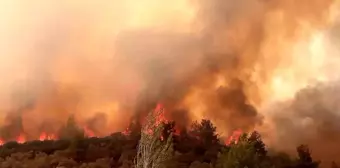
[152, 145]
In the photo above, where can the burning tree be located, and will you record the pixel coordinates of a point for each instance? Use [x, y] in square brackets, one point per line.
[153, 149]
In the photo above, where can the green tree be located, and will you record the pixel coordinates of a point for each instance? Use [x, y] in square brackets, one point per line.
[259, 146]
[239, 155]
[280, 160]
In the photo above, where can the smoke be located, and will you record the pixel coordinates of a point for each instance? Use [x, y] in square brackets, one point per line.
[311, 118]
[311, 115]
[107, 61]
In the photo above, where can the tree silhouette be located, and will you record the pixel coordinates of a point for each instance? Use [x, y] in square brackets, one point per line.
[305, 159]
[259, 146]
[205, 132]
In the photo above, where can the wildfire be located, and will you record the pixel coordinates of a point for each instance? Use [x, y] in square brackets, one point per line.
[159, 118]
[123, 52]
[21, 138]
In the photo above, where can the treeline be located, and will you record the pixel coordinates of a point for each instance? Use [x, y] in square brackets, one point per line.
[198, 147]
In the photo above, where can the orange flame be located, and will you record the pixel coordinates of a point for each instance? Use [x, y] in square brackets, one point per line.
[160, 118]
[177, 131]
[21, 138]
[88, 132]
[44, 136]
[126, 132]
[235, 136]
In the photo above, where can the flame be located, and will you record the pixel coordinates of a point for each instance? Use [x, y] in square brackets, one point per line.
[44, 136]
[177, 131]
[160, 117]
[234, 137]
[126, 132]
[21, 138]
[88, 132]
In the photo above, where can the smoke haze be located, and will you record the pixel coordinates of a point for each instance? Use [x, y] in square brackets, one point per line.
[229, 61]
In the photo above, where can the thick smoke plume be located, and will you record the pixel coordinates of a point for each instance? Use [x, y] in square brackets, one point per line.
[312, 117]
[107, 61]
